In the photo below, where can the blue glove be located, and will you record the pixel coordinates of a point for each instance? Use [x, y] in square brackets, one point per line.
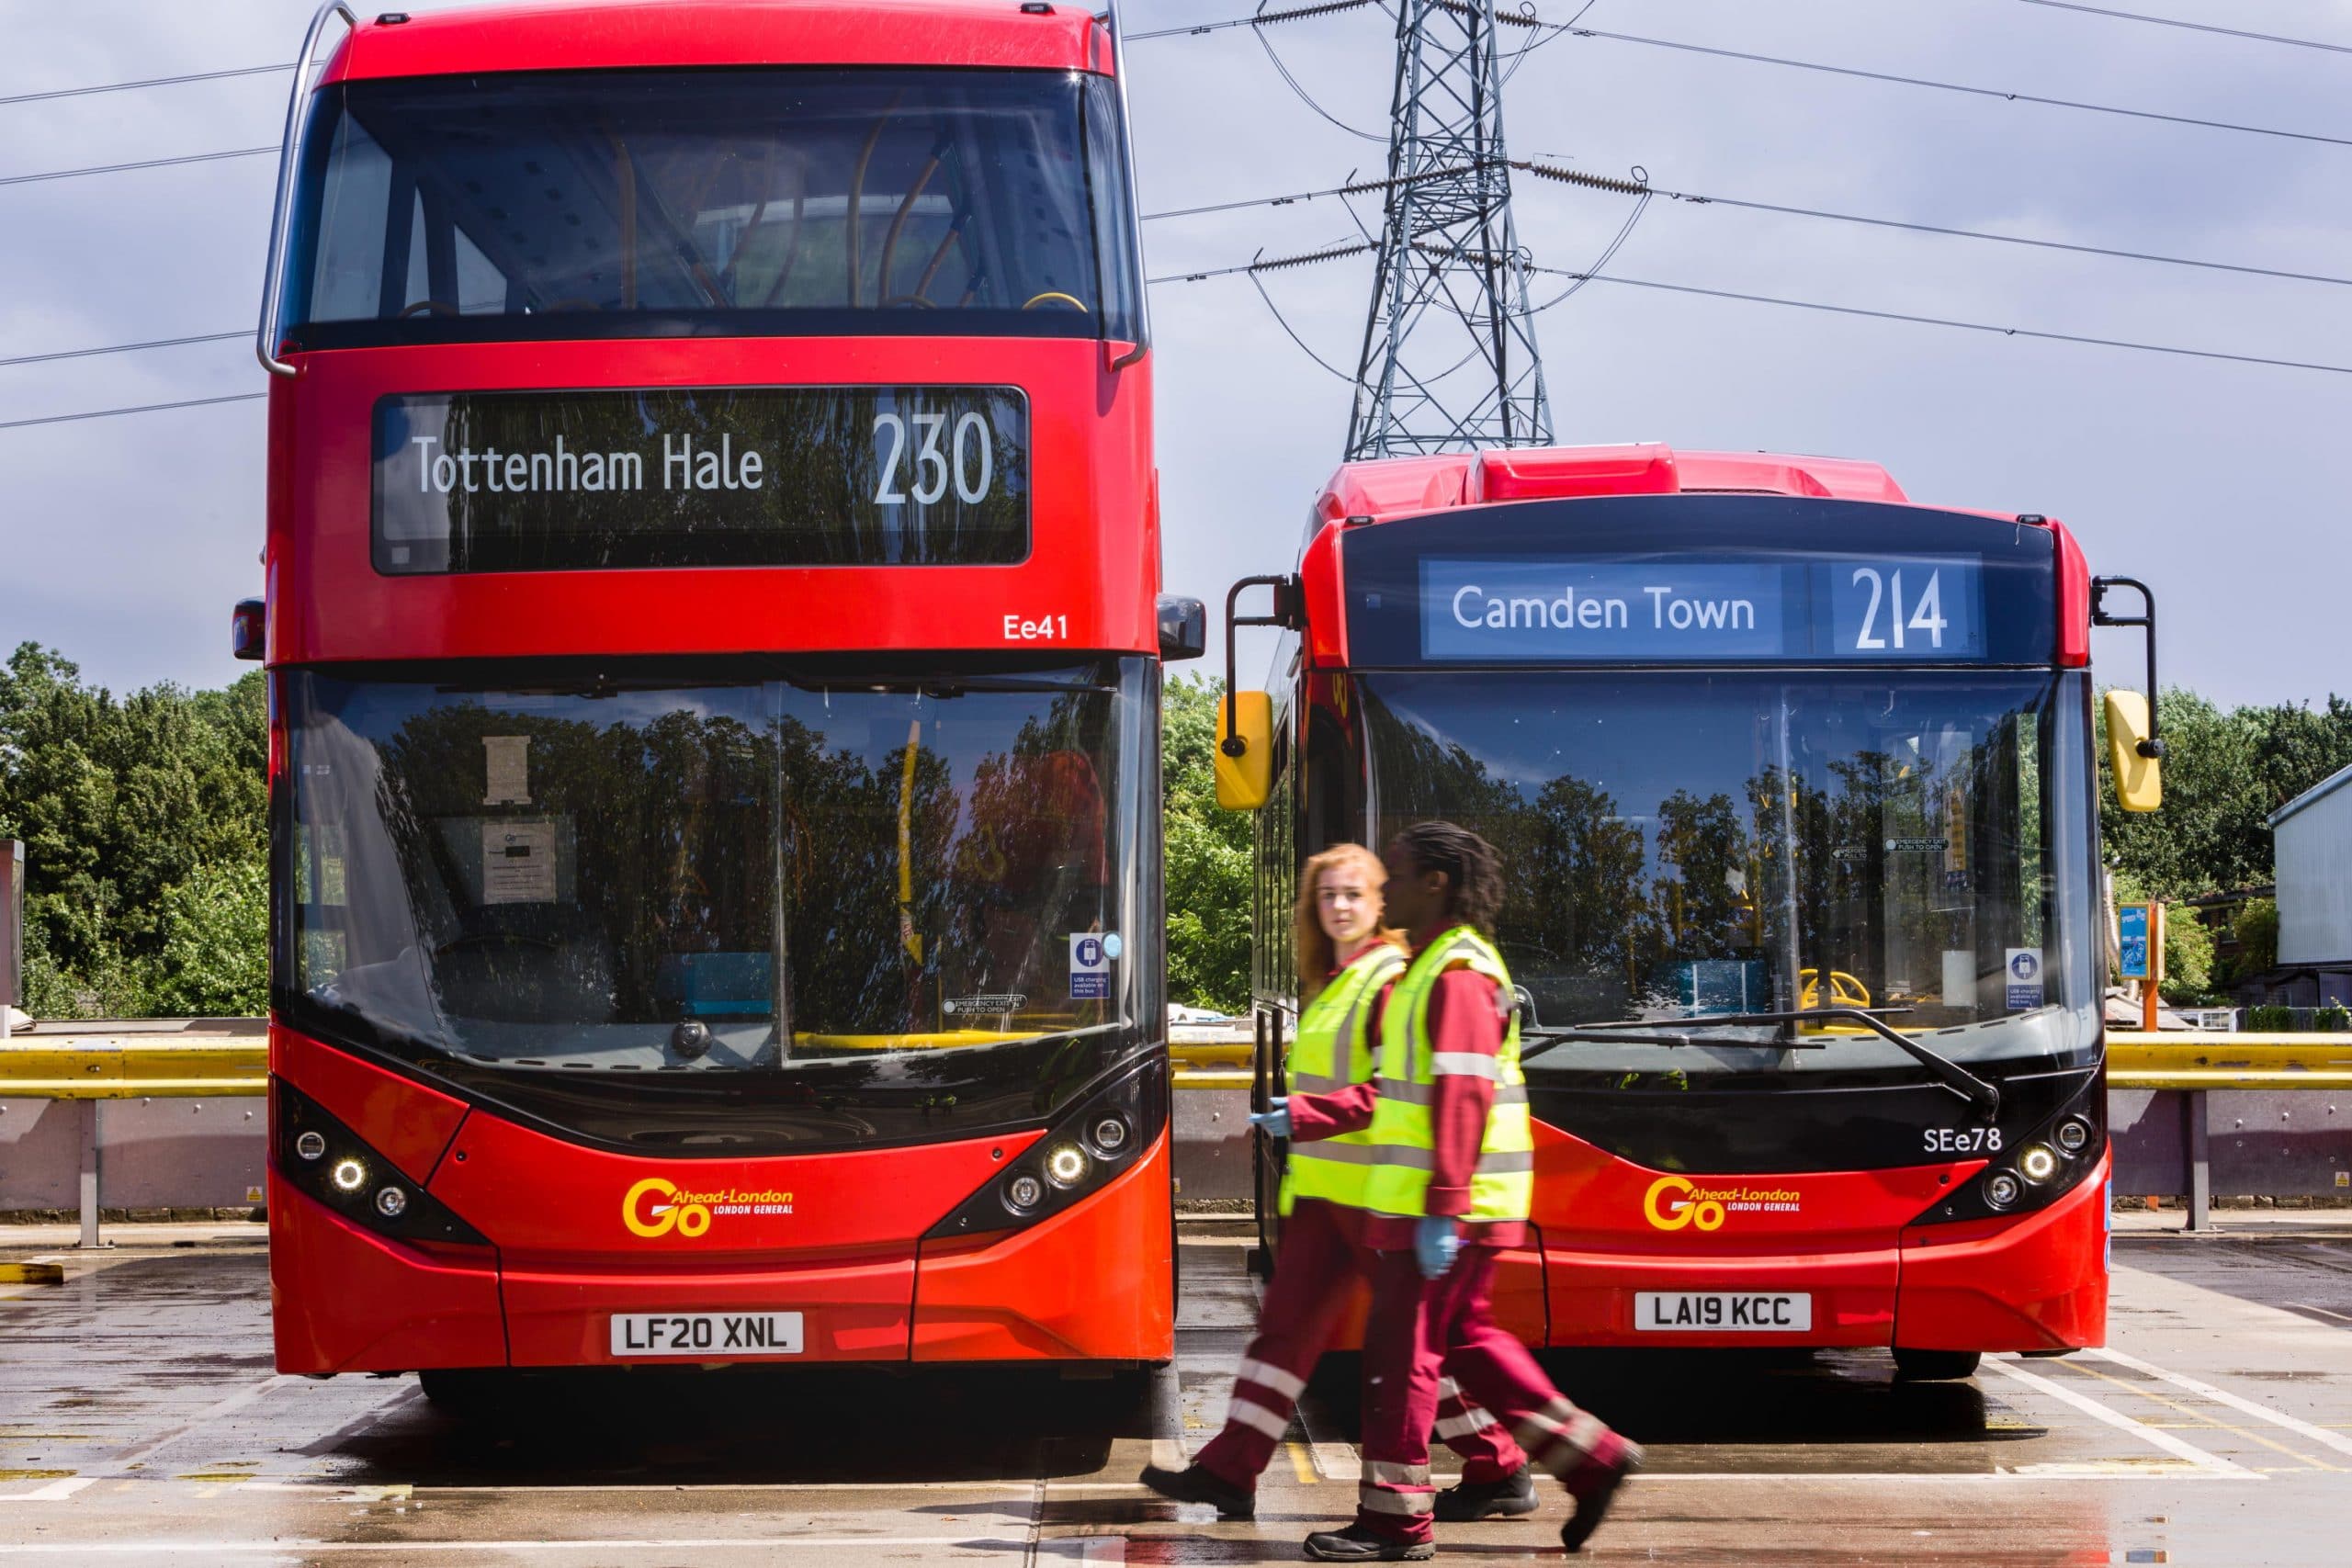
[1274, 1120]
[1435, 1245]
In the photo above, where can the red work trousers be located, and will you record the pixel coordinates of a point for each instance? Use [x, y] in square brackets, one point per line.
[1418, 1327]
[1314, 1265]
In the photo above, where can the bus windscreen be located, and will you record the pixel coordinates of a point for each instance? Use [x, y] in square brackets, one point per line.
[587, 204]
[789, 877]
[1686, 843]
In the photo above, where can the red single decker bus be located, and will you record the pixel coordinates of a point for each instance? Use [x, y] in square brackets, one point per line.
[1793, 783]
[715, 650]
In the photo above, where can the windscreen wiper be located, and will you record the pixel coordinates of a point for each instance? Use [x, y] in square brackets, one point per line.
[1985, 1097]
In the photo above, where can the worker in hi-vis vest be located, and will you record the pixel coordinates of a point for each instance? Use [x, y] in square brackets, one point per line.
[1451, 1172]
[1347, 962]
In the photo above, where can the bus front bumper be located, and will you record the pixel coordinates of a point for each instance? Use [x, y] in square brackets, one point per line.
[2032, 1282]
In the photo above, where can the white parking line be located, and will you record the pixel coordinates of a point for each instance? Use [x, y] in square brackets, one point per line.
[2180, 1448]
[53, 1491]
[214, 1550]
[2317, 1434]
[236, 1402]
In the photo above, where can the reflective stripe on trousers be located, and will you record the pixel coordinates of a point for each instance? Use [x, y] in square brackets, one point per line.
[1387, 1487]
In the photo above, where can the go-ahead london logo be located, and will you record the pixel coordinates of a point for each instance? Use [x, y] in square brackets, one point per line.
[1674, 1203]
[655, 1207]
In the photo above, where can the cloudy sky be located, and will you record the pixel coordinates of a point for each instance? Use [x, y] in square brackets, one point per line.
[126, 539]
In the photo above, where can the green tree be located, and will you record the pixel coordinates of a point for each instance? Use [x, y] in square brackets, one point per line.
[2255, 927]
[2209, 833]
[120, 802]
[215, 959]
[1209, 855]
[2224, 772]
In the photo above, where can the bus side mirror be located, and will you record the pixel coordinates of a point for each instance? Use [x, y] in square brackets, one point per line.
[1245, 750]
[2138, 761]
[1183, 627]
[249, 629]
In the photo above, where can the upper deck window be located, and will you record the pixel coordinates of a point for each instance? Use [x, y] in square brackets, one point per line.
[712, 202]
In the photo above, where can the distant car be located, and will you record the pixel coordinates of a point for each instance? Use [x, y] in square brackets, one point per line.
[1179, 1013]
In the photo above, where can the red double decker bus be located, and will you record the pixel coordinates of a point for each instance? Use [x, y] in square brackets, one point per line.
[1793, 783]
[714, 642]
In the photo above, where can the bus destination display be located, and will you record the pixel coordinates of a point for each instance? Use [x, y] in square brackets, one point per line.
[1520, 610]
[800, 476]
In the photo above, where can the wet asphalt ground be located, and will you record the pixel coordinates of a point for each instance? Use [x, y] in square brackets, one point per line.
[139, 1422]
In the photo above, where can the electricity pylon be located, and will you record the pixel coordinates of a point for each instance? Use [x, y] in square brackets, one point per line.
[1448, 361]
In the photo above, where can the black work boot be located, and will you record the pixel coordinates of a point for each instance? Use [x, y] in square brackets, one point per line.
[1594, 1488]
[1357, 1544]
[1194, 1484]
[1512, 1495]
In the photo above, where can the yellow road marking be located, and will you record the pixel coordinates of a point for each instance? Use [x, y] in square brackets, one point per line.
[1304, 1463]
[2146, 1394]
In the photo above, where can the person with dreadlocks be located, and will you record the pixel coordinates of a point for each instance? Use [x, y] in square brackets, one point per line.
[1348, 960]
[1452, 1163]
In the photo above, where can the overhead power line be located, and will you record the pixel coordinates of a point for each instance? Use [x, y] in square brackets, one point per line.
[1957, 232]
[150, 81]
[123, 347]
[1262, 20]
[1934, 84]
[1955, 323]
[2191, 26]
[1987, 327]
[143, 163]
[1637, 187]
[141, 408]
[1895, 78]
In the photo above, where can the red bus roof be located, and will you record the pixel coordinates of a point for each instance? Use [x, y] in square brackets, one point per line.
[616, 34]
[1380, 488]
[1385, 489]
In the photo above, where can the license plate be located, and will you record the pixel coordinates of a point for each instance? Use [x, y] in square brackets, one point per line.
[1735, 1312]
[714, 1335]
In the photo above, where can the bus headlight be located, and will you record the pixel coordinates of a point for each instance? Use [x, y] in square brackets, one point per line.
[1092, 1145]
[2039, 1163]
[1065, 1165]
[2002, 1189]
[2073, 1135]
[328, 1163]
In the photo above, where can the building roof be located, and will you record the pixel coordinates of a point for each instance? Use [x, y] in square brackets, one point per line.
[2313, 796]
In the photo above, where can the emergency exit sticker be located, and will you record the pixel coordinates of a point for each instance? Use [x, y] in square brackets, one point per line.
[1091, 953]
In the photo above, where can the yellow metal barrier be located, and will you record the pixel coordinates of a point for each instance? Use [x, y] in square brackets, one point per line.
[1209, 1078]
[202, 1060]
[129, 1071]
[1222, 1053]
[2133, 1061]
[2229, 1061]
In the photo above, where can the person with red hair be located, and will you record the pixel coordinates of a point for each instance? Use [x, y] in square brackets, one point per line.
[1348, 962]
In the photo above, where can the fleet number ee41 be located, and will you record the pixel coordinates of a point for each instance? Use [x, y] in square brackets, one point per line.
[1046, 629]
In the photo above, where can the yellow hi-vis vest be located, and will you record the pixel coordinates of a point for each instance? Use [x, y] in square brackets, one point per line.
[1333, 1051]
[1403, 1133]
